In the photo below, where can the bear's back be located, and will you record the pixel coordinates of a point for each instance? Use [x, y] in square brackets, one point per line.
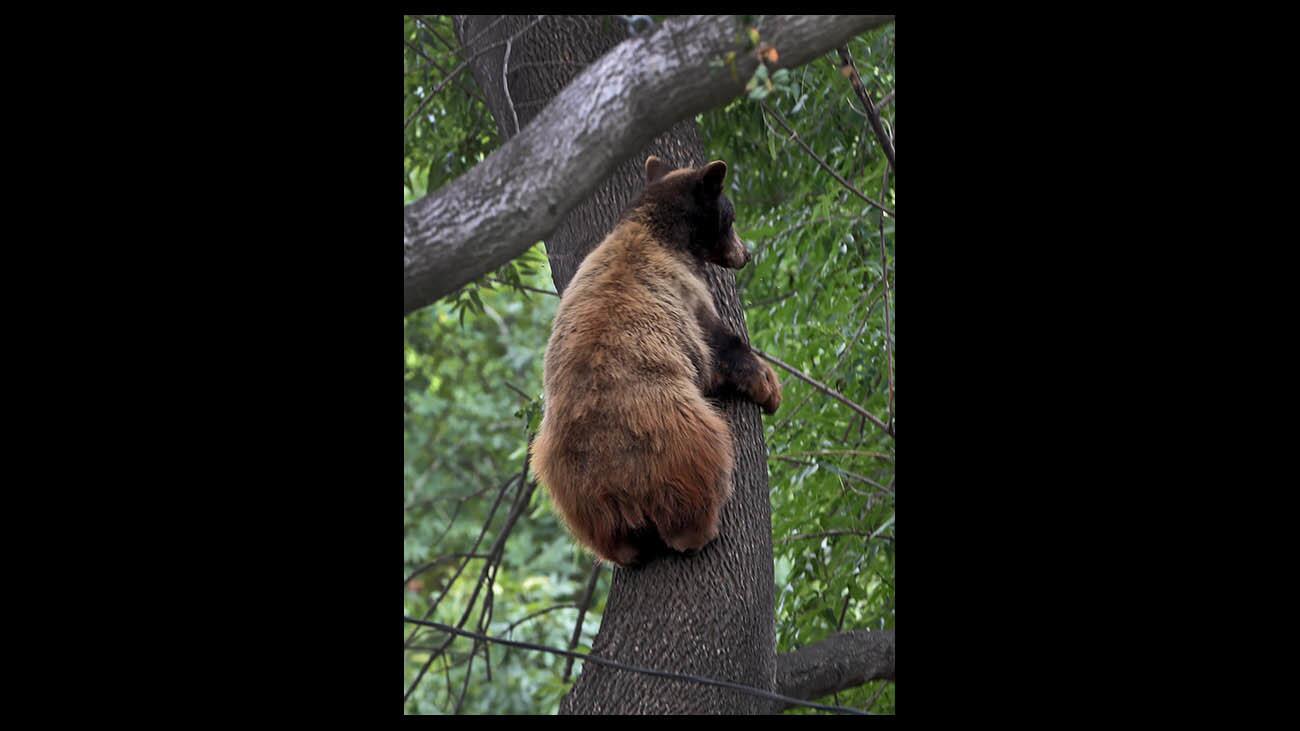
[627, 323]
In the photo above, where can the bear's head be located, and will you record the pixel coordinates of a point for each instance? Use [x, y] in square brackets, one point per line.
[688, 208]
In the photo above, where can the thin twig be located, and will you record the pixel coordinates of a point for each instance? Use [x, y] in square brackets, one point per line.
[879, 691]
[505, 85]
[536, 614]
[839, 471]
[887, 98]
[884, 278]
[823, 534]
[441, 560]
[826, 390]
[471, 91]
[773, 300]
[582, 613]
[795, 136]
[464, 686]
[523, 286]
[418, 109]
[838, 453]
[465, 64]
[872, 114]
[527, 399]
[426, 56]
[450, 522]
[483, 531]
[430, 26]
[498, 546]
[764, 241]
[848, 347]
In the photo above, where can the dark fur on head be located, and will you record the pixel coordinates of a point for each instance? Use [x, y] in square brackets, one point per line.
[686, 209]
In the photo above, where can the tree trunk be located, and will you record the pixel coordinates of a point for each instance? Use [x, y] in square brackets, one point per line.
[711, 614]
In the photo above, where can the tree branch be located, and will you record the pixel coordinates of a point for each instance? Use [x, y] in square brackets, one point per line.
[884, 279]
[841, 661]
[872, 114]
[519, 194]
[826, 390]
[795, 136]
[582, 613]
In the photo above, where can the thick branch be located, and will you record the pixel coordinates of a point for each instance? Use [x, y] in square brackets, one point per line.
[519, 194]
[839, 662]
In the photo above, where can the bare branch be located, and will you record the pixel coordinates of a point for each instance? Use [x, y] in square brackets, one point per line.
[838, 453]
[469, 90]
[884, 278]
[523, 286]
[536, 614]
[464, 65]
[826, 390]
[429, 26]
[582, 613]
[505, 487]
[848, 348]
[418, 109]
[879, 692]
[441, 560]
[527, 399]
[795, 136]
[837, 470]
[525, 492]
[841, 661]
[505, 86]
[823, 534]
[520, 193]
[873, 115]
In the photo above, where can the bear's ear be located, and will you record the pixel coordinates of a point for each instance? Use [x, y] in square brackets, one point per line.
[714, 173]
[655, 169]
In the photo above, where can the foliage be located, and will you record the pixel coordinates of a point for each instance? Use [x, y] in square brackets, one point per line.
[814, 298]
[814, 285]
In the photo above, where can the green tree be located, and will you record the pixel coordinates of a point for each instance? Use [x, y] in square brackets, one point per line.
[819, 297]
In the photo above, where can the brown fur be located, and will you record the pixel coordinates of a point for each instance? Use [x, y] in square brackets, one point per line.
[629, 446]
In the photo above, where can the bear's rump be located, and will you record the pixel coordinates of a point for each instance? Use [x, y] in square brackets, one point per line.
[615, 473]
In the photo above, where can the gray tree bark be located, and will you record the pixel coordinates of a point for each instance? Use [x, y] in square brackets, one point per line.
[711, 614]
[635, 91]
[839, 662]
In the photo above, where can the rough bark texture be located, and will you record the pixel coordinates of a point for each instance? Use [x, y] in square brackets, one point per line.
[839, 662]
[639, 88]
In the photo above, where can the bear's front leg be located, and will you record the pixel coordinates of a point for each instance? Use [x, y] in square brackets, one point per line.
[737, 368]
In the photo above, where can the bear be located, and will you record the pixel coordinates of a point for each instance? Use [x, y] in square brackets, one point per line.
[633, 453]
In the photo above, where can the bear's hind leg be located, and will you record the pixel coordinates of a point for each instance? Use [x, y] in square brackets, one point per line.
[690, 532]
[621, 550]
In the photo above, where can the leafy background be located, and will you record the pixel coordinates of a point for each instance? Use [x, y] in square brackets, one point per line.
[814, 297]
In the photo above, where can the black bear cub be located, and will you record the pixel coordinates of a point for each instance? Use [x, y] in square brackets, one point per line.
[629, 447]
